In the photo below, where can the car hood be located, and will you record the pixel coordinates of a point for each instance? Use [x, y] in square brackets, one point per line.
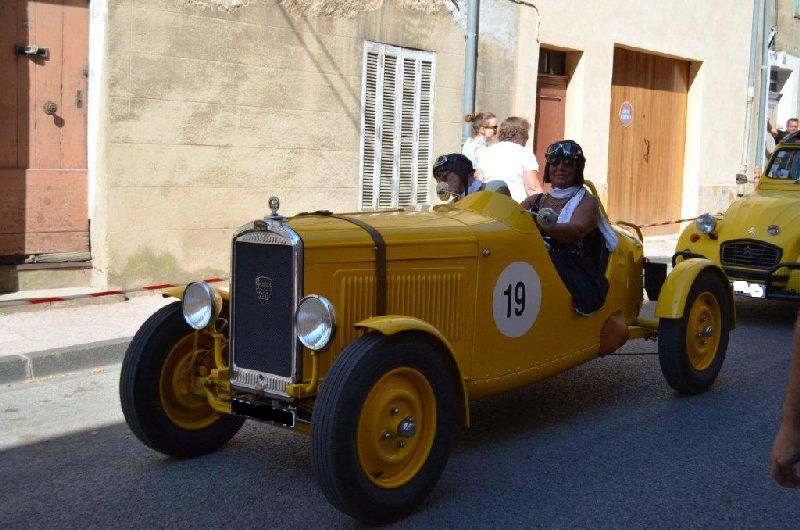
[750, 217]
[442, 231]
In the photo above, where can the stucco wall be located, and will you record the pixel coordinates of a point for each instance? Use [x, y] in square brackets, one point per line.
[211, 107]
[710, 34]
[206, 108]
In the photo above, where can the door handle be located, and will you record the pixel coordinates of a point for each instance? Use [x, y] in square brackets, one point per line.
[50, 107]
[646, 155]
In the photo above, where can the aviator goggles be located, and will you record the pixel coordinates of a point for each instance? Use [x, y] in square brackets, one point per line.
[566, 152]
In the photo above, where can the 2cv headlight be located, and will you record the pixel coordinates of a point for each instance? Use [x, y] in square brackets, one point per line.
[705, 223]
[201, 304]
[315, 322]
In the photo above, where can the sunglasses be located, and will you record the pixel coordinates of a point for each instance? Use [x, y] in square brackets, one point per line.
[492, 127]
[555, 160]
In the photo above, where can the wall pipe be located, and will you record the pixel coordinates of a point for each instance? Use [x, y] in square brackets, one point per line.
[762, 95]
[470, 66]
[751, 91]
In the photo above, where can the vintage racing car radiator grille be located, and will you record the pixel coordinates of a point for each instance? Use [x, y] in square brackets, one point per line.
[749, 253]
[264, 289]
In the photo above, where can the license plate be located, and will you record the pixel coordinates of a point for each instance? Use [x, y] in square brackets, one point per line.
[755, 290]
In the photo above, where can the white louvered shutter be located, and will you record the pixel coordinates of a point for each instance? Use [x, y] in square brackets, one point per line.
[396, 126]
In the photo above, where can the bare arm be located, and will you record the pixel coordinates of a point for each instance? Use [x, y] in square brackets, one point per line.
[583, 221]
[786, 448]
[532, 182]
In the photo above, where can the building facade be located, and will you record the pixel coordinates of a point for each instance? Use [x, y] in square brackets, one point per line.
[196, 112]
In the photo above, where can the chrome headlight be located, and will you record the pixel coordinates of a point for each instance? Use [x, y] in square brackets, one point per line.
[201, 304]
[315, 322]
[705, 223]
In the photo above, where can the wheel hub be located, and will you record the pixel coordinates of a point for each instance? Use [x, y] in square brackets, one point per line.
[396, 428]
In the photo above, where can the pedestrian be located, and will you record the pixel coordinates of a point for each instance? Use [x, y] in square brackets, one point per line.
[484, 129]
[792, 124]
[509, 160]
[786, 448]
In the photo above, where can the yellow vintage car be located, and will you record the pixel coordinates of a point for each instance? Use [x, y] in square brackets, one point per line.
[757, 240]
[372, 332]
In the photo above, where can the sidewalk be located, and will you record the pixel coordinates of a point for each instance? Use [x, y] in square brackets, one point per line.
[42, 340]
[56, 339]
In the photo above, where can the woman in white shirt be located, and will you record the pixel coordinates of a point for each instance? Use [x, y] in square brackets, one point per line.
[484, 129]
[509, 160]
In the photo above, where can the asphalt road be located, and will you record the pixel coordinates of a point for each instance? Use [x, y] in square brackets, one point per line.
[607, 445]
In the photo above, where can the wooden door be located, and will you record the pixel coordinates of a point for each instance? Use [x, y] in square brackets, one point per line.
[646, 143]
[43, 207]
[551, 95]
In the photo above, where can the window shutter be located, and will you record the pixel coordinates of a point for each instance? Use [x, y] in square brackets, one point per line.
[396, 126]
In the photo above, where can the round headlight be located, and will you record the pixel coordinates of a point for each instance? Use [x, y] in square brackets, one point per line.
[705, 223]
[201, 304]
[315, 322]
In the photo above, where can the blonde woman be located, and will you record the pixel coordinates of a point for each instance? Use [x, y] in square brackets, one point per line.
[511, 161]
[484, 129]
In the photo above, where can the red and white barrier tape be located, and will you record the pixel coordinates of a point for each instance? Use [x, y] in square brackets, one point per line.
[667, 222]
[48, 299]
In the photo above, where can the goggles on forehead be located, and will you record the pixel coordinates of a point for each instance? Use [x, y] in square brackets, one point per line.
[565, 149]
[442, 160]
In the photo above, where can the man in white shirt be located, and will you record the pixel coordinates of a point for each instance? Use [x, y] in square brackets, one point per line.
[509, 160]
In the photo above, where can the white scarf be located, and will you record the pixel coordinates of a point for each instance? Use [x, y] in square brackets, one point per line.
[576, 194]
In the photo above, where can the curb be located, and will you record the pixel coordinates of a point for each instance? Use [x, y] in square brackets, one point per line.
[15, 368]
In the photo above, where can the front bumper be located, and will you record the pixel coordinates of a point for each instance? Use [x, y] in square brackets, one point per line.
[781, 282]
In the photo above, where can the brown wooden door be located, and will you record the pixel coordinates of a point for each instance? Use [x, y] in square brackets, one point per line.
[646, 144]
[43, 204]
[551, 95]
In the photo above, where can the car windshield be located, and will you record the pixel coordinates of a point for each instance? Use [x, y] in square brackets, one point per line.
[785, 165]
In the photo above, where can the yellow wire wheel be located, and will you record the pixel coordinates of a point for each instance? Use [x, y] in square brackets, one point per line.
[183, 399]
[396, 427]
[703, 331]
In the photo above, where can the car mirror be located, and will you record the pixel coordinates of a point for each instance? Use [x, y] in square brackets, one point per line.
[741, 178]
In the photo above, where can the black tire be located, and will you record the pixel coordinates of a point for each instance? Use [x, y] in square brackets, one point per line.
[367, 368]
[149, 412]
[692, 348]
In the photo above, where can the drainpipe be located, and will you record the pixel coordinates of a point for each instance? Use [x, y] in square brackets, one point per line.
[751, 91]
[471, 60]
[762, 102]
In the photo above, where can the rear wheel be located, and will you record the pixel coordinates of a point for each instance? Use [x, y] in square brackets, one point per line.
[163, 403]
[382, 426]
[692, 348]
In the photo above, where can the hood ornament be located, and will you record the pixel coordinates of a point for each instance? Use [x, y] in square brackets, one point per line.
[752, 230]
[274, 203]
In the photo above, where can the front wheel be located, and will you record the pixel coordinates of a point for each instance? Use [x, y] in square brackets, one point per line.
[382, 426]
[163, 403]
[692, 348]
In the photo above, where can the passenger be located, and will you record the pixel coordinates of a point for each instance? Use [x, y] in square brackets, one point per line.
[455, 175]
[581, 239]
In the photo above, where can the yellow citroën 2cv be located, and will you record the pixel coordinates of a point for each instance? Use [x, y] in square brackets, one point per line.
[373, 331]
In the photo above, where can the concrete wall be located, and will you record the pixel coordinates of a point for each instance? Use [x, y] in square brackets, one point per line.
[208, 108]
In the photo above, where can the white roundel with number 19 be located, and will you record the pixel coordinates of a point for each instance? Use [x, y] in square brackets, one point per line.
[516, 299]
